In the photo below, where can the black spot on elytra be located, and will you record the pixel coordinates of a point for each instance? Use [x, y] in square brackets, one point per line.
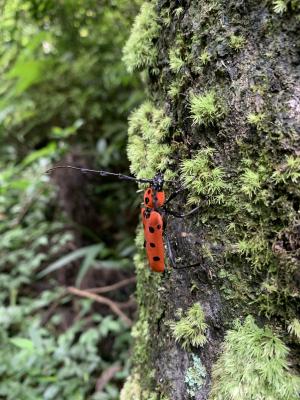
[158, 226]
[147, 200]
[152, 245]
[149, 191]
[151, 229]
[156, 258]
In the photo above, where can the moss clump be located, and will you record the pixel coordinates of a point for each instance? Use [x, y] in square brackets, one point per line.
[204, 108]
[148, 127]
[256, 119]
[253, 366]
[202, 178]
[205, 57]
[195, 376]
[280, 6]
[236, 42]
[289, 170]
[189, 330]
[294, 328]
[250, 182]
[176, 62]
[132, 390]
[174, 89]
[139, 51]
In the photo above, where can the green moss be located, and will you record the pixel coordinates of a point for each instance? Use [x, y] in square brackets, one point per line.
[174, 89]
[251, 182]
[294, 328]
[205, 109]
[236, 42]
[202, 178]
[175, 60]
[132, 390]
[256, 119]
[253, 365]
[195, 376]
[205, 57]
[139, 51]
[190, 330]
[178, 11]
[147, 152]
[280, 6]
[288, 171]
[256, 250]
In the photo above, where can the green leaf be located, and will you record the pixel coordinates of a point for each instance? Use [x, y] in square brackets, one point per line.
[28, 73]
[47, 151]
[23, 343]
[87, 263]
[65, 260]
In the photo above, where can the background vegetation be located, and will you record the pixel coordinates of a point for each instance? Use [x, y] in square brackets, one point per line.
[64, 98]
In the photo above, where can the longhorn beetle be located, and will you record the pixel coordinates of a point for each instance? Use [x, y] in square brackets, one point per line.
[153, 212]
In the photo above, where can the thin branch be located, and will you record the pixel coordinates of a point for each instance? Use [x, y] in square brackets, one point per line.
[106, 376]
[115, 286]
[102, 300]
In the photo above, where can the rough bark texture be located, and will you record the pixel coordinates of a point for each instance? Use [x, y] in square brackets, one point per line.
[245, 56]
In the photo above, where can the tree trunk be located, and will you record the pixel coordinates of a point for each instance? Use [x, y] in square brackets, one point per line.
[223, 119]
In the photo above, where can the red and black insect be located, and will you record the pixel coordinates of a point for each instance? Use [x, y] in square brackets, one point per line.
[153, 213]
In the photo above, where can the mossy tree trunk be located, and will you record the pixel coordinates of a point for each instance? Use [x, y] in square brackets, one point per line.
[223, 119]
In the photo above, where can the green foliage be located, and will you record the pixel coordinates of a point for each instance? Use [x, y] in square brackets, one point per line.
[140, 51]
[147, 152]
[64, 89]
[202, 179]
[205, 109]
[253, 365]
[38, 365]
[236, 42]
[190, 330]
[195, 376]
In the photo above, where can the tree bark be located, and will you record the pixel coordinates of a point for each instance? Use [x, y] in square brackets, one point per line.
[227, 75]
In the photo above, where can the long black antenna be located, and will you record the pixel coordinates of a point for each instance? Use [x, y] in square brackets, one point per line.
[101, 173]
